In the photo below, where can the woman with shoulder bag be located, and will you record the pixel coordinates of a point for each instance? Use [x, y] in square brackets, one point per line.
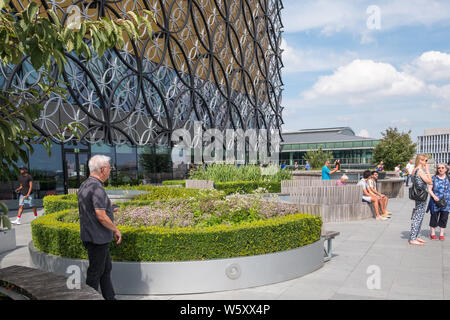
[421, 178]
[439, 204]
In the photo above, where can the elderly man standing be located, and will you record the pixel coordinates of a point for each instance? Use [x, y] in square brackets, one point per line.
[97, 225]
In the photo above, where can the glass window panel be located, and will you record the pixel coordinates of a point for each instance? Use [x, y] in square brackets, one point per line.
[47, 171]
[126, 165]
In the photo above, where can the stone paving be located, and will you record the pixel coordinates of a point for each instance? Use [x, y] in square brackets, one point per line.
[363, 250]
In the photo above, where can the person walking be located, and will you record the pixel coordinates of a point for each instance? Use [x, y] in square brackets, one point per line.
[97, 226]
[440, 189]
[409, 170]
[326, 172]
[25, 188]
[421, 178]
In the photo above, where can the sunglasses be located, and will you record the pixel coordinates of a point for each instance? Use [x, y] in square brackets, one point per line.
[443, 168]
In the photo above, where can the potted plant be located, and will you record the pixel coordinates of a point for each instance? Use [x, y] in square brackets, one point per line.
[7, 234]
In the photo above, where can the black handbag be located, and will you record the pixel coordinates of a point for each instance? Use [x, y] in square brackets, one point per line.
[442, 203]
[416, 193]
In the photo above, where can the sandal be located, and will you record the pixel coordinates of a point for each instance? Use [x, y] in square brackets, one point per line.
[421, 240]
[416, 243]
[433, 237]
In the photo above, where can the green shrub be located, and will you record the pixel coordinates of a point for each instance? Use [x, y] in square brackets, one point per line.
[247, 186]
[174, 183]
[228, 173]
[182, 244]
[57, 203]
[166, 193]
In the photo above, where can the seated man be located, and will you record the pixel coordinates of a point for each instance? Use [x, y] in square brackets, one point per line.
[369, 197]
[373, 189]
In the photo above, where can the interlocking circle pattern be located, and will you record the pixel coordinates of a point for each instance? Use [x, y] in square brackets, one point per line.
[213, 61]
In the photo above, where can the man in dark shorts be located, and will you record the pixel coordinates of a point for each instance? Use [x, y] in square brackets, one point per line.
[25, 188]
[97, 227]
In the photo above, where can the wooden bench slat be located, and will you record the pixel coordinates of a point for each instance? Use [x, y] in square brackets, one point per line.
[43, 285]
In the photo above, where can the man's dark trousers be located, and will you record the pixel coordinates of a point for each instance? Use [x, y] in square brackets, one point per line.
[99, 270]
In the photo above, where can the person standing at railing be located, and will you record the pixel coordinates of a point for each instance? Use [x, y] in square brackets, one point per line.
[326, 172]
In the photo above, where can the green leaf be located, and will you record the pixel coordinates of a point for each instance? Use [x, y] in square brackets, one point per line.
[32, 11]
[55, 18]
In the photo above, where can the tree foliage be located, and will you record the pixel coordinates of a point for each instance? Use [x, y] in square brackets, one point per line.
[45, 43]
[394, 148]
[317, 158]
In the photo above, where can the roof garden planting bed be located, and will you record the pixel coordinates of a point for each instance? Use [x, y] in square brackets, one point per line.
[196, 241]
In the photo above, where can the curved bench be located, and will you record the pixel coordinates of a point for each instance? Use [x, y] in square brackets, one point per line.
[33, 284]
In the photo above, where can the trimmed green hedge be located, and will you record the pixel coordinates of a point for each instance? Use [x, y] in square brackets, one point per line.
[247, 186]
[182, 244]
[174, 183]
[236, 186]
[57, 203]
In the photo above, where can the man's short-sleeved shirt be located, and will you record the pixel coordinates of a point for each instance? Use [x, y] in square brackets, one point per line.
[307, 166]
[24, 180]
[410, 167]
[325, 173]
[372, 183]
[91, 196]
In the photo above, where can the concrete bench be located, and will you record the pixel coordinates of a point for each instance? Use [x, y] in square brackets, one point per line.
[20, 282]
[200, 184]
[329, 236]
[337, 204]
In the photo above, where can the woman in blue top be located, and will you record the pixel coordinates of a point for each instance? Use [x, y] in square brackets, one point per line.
[438, 190]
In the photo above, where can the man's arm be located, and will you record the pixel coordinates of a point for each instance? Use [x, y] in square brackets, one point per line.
[373, 191]
[334, 170]
[107, 223]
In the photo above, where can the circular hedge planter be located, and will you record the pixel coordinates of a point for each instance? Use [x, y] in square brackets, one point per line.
[157, 260]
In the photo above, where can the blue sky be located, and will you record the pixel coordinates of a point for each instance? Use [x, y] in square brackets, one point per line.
[368, 65]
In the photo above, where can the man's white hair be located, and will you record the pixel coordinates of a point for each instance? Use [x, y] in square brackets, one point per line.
[97, 162]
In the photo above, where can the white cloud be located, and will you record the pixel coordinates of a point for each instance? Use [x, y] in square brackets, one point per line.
[442, 94]
[332, 16]
[295, 60]
[329, 16]
[363, 133]
[431, 66]
[361, 80]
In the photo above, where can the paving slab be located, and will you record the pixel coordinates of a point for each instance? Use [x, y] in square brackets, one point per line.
[406, 272]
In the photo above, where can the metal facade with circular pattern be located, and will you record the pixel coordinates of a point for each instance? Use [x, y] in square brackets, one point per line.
[217, 62]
